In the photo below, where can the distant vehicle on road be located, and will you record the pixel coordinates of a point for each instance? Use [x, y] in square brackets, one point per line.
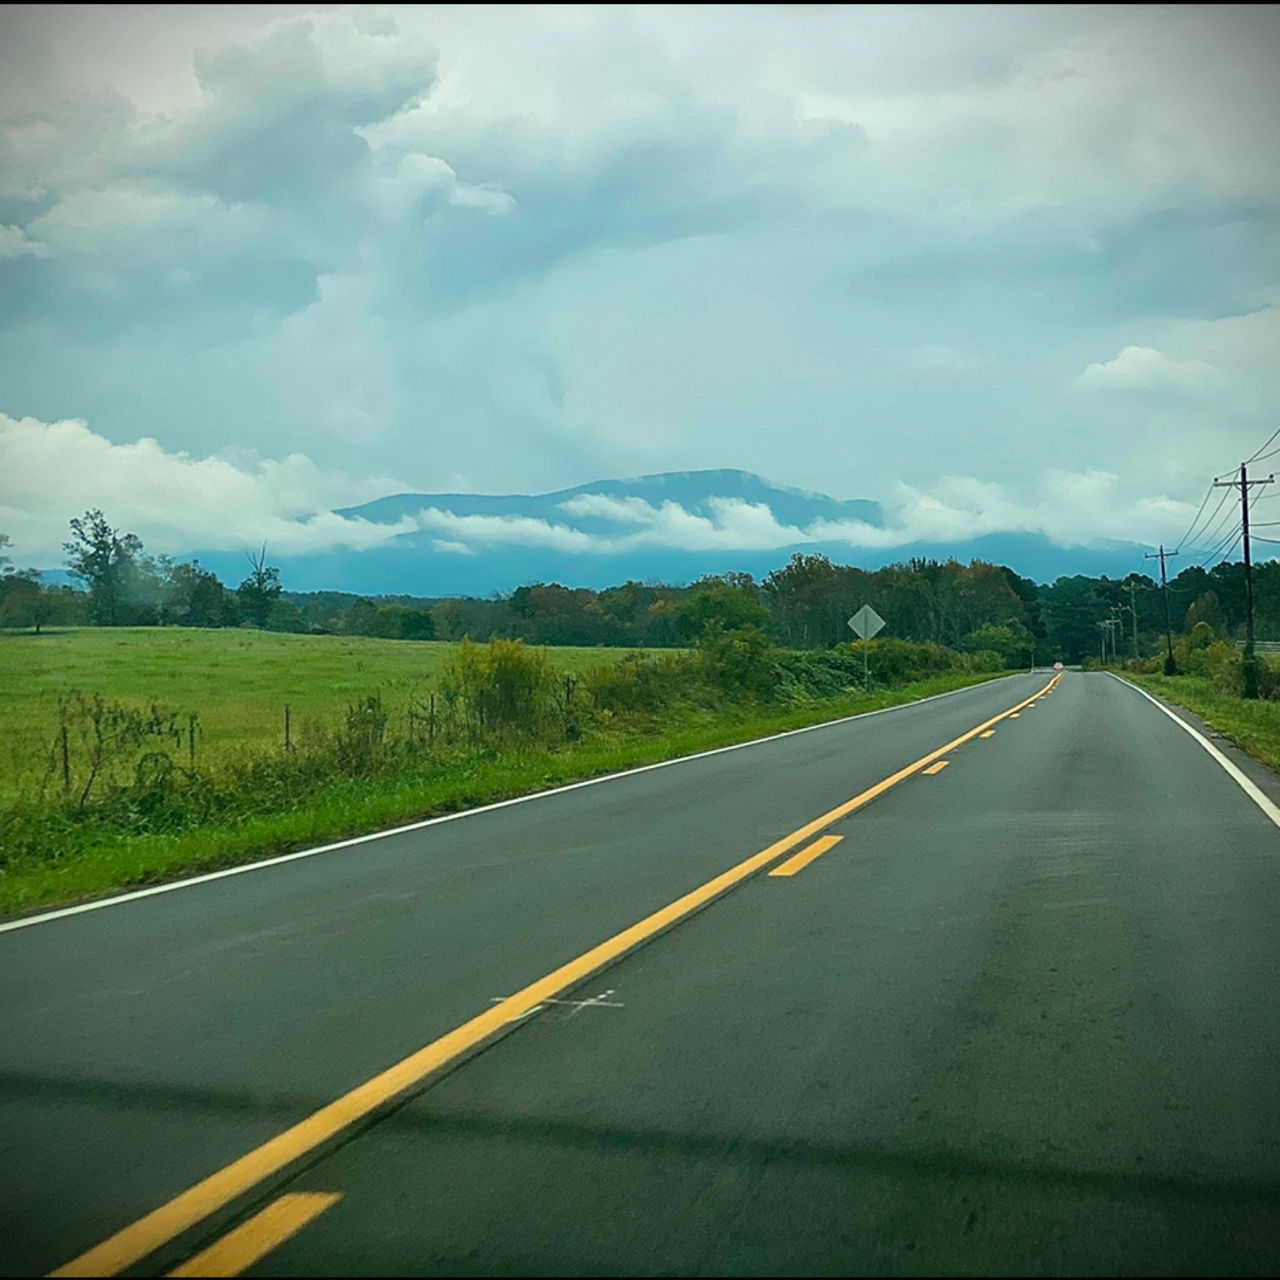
[1057, 666]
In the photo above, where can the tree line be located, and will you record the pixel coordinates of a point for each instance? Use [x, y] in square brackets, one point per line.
[975, 607]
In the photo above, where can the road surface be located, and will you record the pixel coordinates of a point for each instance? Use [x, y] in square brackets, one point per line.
[1018, 1011]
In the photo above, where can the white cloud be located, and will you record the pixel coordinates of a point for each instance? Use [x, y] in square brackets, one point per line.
[1068, 508]
[1146, 369]
[15, 243]
[504, 531]
[55, 470]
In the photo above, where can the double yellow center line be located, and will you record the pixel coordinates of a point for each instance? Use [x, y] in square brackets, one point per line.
[163, 1225]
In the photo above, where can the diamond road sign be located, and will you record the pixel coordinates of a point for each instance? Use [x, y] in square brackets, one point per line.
[866, 622]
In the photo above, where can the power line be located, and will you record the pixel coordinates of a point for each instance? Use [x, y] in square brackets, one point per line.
[1210, 537]
[1230, 538]
[1203, 503]
[1257, 457]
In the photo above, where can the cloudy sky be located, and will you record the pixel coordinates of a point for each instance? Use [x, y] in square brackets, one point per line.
[993, 267]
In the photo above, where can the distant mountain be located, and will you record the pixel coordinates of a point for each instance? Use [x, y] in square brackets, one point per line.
[672, 528]
[692, 490]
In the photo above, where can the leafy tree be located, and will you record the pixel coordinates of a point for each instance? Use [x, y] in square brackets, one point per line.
[286, 616]
[1013, 642]
[260, 590]
[1072, 609]
[105, 562]
[196, 597]
[396, 622]
[1206, 610]
[720, 604]
[361, 619]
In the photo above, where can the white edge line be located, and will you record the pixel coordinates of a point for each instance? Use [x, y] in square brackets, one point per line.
[25, 922]
[1238, 776]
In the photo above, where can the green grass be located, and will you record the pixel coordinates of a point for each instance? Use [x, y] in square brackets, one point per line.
[1252, 725]
[100, 862]
[237, 681]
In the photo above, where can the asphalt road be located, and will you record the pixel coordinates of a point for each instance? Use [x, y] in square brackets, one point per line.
[1022, 1017]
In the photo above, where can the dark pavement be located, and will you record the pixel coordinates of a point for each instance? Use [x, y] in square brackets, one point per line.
[1023, 1017]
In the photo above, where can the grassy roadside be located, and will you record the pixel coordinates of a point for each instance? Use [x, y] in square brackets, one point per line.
[352, 807]
[238, 681]
[1254, 726]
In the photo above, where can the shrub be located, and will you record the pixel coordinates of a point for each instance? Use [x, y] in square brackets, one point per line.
[892, 661]
[739, 661]
[639, 682]
[502, 688]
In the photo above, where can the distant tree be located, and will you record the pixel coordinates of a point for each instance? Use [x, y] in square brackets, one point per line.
[722, 605]
[286, 616]
[23, 602]
[1013, 642]
[1073, 606]
[361, 619]
[260, 590]
[104, 561]
[196, 597]
[1207, 610]
[450, 618]
[397, 622]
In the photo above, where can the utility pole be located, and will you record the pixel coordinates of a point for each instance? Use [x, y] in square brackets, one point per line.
[1133, 613]
[1170, 667]
[1117, 634]
[1244, 484]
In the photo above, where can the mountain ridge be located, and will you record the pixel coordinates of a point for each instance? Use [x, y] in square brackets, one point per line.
[606, 532]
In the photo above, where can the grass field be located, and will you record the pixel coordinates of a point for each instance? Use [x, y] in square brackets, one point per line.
[237, 681]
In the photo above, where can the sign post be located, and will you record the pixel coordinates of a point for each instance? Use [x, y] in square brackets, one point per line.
[865, 624]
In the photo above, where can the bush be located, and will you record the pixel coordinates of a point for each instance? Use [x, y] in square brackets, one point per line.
[740, 661]
[502, 688]
[639, 682]
[894, 662]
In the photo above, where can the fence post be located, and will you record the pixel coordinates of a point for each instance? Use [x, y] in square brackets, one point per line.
[191, 739]
[431, 721]
[66, 763]
[288, 745]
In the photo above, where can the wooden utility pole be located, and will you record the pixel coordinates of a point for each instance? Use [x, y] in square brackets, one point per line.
[1244, 484]
[1170, 667]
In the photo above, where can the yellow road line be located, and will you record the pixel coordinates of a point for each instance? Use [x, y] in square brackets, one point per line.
[938, 767]
[1014, 716]
[133, 1243]
[990, 733]
[254, 1239]
[802, 859]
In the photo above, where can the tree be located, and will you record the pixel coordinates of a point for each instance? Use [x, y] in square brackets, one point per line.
[286, 616]
[1207, 610]
[196, 597]
[361, 619]
[1073, 608]
[23, 602]
[105, 562]
[721, 604]
[260, 590]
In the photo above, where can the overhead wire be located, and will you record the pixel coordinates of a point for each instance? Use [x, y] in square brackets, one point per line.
[1186, 537]
[1257, 457]
[1212, 537]
[1216, 553]
[1204, 502]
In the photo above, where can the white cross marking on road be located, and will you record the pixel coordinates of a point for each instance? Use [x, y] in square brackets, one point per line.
[595, 1002]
